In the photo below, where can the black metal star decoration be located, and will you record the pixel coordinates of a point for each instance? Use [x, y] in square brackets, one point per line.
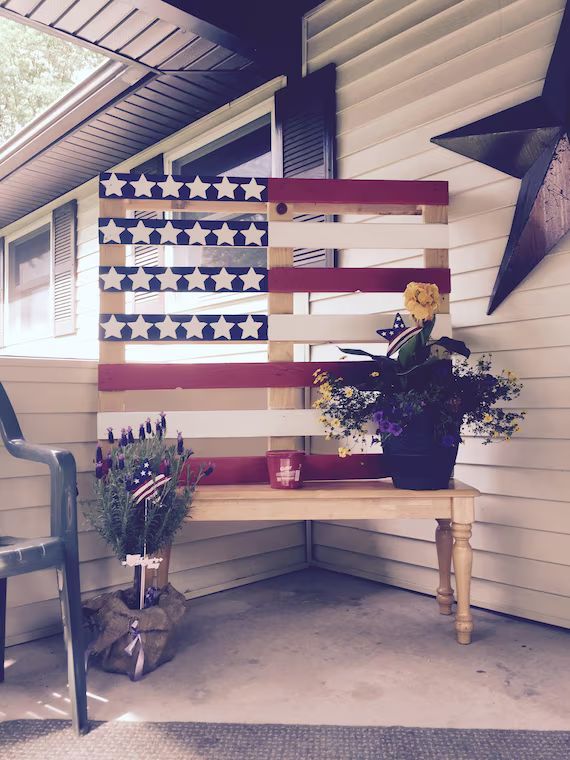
[529, 141]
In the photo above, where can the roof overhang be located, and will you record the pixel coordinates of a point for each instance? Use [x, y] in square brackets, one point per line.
[170, 63]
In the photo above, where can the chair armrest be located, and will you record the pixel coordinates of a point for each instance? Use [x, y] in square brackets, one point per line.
[63, 483]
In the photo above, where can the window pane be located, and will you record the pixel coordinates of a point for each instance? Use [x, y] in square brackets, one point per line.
[246, 156]
[29, 310]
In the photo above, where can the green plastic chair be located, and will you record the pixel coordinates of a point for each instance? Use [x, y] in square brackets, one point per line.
[59, 550]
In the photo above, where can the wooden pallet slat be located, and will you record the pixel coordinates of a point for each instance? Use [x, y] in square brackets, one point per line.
[262, 280]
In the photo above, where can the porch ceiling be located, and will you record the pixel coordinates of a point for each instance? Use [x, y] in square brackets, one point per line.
[170, 64]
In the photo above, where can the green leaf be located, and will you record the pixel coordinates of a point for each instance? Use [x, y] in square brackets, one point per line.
[452, 346]
[384, 361]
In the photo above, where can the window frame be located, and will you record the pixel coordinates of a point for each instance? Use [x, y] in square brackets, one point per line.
[43, 224]
[234, 129]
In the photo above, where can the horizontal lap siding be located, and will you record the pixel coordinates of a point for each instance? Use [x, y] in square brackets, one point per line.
[407, 72]
[56, 403]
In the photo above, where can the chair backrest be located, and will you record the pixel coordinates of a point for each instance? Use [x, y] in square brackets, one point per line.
[9, 426]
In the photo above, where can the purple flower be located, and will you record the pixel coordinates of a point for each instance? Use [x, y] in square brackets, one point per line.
[130, 436]
[142, 434]
[394, 428]
[384, 426]
[180, 444]
[163, 420]
[99, 454]
[148, 426]
[121, 459]
[124, 440]
[158, 429]
[99, 470]
[109, 461]
[378, 417]
[110, 436]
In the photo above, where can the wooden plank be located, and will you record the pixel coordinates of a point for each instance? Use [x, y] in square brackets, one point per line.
[117, 230]
[437, 255]
[281, 279]
[247, 423]
[242, 328]
[340, 191]
[115, 377]
[324, 501]
[244, 470]
[347, 280]
[160, 187]
[332, 328]
[111, 256]
[183, 279]
[281, 303]
[357, 235]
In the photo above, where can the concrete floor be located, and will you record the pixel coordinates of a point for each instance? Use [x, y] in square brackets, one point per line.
[320, 647]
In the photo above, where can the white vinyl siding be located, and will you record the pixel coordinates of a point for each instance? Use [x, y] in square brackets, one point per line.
[408, 71]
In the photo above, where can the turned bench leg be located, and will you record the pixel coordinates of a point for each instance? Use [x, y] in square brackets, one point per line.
[462, 563]
[444, 545]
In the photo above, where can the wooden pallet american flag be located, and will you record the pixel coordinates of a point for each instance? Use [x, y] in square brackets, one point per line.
[280, 200]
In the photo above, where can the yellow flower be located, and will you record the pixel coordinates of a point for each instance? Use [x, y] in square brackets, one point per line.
[349, 392]
[374, 374]
[316, 372]
[335, 422]
[322, 420]
[421, 300]
[327, 437]
[488, 417]
[343, 452]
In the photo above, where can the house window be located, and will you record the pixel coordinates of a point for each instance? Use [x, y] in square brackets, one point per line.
[245, 153]
[29, 287]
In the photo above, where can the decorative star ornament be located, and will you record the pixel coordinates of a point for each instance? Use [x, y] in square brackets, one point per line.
[197, 235]
[142, 187]
[168, 327]
[253, 235]
[113, 185]
[194, 328]
[253, 190]
[113, 328]
[170, 188]
[390, 332]
[111, 232]
[251, 279]
[139, 328]
[197, 188]
[528, 141]
[222, 328]
[168, 280]
[249, 328]
[112, 280]
[141, 233]
[225, 188]
[223, 279]
[225, 236]
[140, 279]
[197, 280]
[168, 233]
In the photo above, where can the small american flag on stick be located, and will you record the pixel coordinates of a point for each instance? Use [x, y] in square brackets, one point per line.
[145, 485]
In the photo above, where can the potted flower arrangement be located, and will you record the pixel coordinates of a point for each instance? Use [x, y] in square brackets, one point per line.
[418, 399]
[143, 493]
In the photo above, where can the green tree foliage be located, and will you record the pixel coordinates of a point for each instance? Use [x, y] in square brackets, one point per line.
[36, 70]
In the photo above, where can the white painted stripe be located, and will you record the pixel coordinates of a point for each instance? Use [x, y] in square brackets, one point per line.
[222, 424]
[333, 328]
[357, 235]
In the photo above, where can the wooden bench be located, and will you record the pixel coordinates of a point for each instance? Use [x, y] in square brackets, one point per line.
[364, 500]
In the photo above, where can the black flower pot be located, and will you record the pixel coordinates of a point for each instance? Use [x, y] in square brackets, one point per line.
[416, 460]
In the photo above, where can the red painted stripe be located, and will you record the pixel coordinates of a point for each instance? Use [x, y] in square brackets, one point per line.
[242, 470]
[358, 191]
[139, 377]
[307, 280]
